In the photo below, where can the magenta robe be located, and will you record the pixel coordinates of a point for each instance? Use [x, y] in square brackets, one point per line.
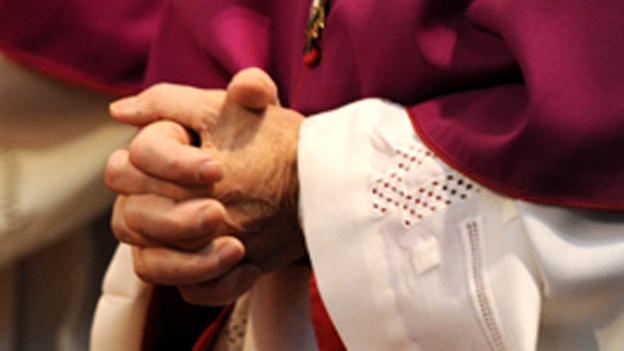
[98, 44]
[524, 96]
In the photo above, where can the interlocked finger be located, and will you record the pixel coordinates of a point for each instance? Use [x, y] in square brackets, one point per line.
[163, 150]
[124, 178]
[121, 230]
[165, 266]
[187, 224]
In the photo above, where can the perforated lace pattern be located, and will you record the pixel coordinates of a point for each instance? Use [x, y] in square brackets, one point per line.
[390, 192]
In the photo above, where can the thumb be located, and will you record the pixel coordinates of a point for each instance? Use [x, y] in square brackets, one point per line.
[192, 107]
[253, 88]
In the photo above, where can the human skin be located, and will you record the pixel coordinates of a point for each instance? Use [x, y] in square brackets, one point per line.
[209, 219]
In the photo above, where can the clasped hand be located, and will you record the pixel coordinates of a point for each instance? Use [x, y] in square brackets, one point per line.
[208, 218]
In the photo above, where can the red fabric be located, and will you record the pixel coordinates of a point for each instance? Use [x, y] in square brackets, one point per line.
[209, 336]
[327, 337]
[312, 57]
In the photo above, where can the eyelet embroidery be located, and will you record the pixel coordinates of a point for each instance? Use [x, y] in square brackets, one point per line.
[479, 286]
[235, 332]
[389, 192]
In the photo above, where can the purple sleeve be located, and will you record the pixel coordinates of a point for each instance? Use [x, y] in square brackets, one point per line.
[557, 135]
[98, 44]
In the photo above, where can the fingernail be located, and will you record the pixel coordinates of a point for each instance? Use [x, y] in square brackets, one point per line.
[229, 254]
[210, 171]
[124, 107]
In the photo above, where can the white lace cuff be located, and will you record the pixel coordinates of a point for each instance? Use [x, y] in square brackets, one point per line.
[366, 182]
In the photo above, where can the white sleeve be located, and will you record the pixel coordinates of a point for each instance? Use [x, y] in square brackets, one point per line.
[374, 205]
[411, 255]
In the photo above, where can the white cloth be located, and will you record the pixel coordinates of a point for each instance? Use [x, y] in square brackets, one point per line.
[279, 312]
[411, 255]
[121, 312]
[274, 315]
[54, 142]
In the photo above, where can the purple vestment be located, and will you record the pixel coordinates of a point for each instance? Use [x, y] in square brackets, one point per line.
[525, 96]
[98, 44]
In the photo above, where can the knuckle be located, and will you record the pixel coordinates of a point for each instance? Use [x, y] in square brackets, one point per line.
[175, 225]
[110, 177]
[151, 96]
[119, 230]
[138, 148]
[143, 274]
[199, 267]
[141, 152]
[132, 220]
[113, 169]
[175, 168]
[140, 269]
